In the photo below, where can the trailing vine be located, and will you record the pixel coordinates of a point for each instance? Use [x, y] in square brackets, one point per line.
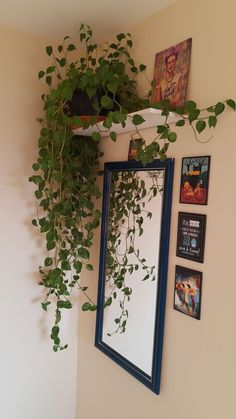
[129, 209]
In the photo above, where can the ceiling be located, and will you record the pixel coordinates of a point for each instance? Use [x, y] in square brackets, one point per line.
[58, 18]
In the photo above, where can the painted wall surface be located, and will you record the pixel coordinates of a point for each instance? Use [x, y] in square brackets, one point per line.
[198, 373]
[35, 383]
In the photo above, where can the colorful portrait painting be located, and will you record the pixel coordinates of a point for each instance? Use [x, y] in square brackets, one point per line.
[195, 180]
[188, 289]
[171, 74]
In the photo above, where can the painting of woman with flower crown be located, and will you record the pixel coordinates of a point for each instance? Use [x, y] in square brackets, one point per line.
[171, 74]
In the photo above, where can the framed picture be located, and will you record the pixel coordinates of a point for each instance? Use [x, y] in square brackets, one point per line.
[133, 145]
[195, 180]
[171, 74]
[191, 236]
[188, 290]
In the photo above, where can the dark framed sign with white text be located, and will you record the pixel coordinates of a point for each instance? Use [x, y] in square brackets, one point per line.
[191, 236]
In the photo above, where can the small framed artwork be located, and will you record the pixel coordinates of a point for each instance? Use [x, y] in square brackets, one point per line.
[134, 144]
[171, 74]
[195, 180]
[188, 291]
[191, 236]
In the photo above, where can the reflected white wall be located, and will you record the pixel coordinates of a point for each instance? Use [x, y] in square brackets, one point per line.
[136, 343]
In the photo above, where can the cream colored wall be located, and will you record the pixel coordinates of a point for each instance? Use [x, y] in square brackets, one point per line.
[198, 373]
[35, 383]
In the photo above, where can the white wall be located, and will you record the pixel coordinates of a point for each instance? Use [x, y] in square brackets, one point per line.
[35, 383]
[198, 374]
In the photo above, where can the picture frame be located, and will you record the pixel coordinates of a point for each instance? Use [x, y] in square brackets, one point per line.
[188, 291]
[171, 74]
[147, 304]
[194, 182]
[191, 236]
[133, 145]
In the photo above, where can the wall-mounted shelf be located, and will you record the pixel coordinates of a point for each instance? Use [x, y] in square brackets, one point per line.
[152, 118]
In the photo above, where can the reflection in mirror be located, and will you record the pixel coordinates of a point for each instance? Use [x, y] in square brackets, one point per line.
[133, 266]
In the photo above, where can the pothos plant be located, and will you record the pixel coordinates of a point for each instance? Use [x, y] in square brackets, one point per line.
[67, 166]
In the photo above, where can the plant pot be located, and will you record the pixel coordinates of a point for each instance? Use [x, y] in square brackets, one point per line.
[81, 105]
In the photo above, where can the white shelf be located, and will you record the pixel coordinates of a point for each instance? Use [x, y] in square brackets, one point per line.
[152, 118]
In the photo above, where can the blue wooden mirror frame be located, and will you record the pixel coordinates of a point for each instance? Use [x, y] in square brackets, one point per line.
[151, 381]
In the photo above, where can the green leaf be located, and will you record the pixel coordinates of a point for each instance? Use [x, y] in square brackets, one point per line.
[45, 305]
[190, 106]
[231, 103]
[41, 74]
[49, 50]
[91, 90]
[34, 222]
[212, 121]
[65, 265]
[106, 102]
[193, 115]
[36, 167]
[113, 135]
[89, 267]
[142, 67]
[180, 123]
[200, 126]
[38, 194]
[96, 136]
[62, 62]
[55, 332]
[219, 108]
[67, 92]
[64, 304]
[86, 306]
[48, 261]
[161, 129]
[78, 266]
[211, 109]
[63, 254]
[60, 48]
[35, 179]
[50, 69]
[49, 80]
[172, 137]
[51, 245]
[120, 36]
[108, 302]
[137, 119]
[71, 47]
[130, 43]
[83, 253]
[112, 87]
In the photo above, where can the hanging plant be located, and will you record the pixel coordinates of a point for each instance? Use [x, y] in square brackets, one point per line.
[67, 166]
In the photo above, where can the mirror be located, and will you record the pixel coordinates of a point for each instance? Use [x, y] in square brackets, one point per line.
[133, 266]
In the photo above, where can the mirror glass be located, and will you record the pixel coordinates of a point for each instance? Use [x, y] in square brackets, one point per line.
[133, 266]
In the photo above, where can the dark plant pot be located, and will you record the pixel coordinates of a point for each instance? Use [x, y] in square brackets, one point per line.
[82, 105]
